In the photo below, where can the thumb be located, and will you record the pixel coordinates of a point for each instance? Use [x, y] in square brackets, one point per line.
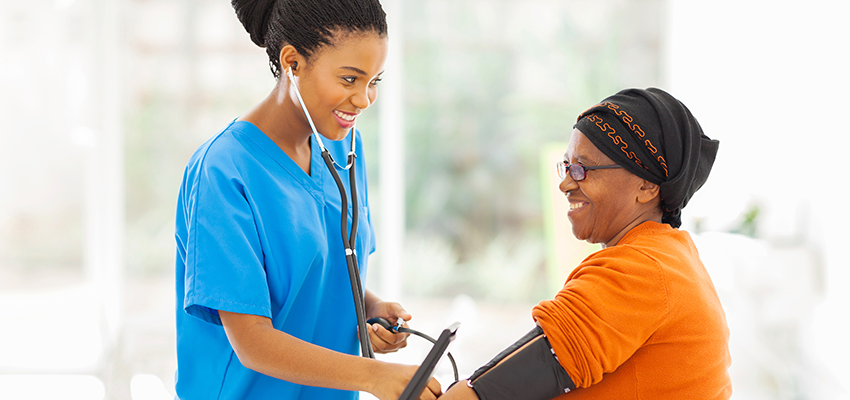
[399, 312]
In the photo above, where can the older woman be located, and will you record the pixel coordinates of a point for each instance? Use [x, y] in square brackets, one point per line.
[639, 319]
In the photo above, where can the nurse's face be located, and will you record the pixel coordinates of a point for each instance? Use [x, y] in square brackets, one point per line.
[340, 81]
[604, 206]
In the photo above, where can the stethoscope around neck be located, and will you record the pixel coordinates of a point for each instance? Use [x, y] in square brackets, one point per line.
[348, 237]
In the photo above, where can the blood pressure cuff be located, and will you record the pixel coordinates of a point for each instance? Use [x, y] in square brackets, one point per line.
[528, 369]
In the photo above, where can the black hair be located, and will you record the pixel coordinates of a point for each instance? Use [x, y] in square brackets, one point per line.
[307, 25]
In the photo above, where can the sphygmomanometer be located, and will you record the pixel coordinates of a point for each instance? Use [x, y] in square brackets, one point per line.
[527, 369]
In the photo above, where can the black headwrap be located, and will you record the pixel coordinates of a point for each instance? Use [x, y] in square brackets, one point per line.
[654, 136]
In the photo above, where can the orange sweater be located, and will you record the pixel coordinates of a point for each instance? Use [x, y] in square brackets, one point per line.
[641, 320]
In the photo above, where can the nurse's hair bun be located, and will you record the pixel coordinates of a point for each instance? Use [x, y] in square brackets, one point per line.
[254, 16]
[307, 25]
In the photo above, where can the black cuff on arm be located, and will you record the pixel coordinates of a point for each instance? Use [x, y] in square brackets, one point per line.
[528, 369]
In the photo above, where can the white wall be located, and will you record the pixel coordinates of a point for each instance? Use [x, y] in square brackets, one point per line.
[769, 79]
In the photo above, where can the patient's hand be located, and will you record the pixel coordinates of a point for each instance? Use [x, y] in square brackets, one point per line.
[460, 391]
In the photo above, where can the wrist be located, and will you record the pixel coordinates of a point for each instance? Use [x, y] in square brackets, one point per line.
[377, 372]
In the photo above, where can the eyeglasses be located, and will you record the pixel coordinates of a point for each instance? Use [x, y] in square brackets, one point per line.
[577, 171]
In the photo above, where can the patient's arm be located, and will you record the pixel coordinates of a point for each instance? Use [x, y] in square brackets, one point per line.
[528, 369]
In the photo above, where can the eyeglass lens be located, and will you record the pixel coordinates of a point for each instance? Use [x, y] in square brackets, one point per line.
[577, 171]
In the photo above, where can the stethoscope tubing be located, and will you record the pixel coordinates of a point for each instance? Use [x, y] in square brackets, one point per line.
[349, 242]
[349, 238]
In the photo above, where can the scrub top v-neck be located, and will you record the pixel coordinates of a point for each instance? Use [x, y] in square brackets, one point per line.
[258, 235]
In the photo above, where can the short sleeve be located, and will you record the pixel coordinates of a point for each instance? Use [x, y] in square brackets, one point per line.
[224, 257]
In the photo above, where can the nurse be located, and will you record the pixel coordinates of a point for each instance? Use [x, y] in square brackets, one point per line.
[264, 303]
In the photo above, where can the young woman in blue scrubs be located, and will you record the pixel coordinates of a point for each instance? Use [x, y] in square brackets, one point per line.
[264, 302]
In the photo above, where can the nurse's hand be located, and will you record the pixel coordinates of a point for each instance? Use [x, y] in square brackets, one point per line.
[391, 381]
[384, 341]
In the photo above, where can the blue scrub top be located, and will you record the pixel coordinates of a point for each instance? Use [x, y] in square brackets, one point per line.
[257, 235]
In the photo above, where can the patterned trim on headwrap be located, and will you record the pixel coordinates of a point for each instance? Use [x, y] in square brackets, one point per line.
[634, 127]
[612, 133]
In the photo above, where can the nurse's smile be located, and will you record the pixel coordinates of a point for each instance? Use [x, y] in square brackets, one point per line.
[344, 119]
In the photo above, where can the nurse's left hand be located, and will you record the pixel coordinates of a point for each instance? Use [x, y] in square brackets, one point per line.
[384, 341]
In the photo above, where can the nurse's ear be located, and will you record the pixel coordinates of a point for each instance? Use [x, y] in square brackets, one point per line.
[289, 57]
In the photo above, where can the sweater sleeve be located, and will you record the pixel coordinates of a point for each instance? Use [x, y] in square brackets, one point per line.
[610, 305]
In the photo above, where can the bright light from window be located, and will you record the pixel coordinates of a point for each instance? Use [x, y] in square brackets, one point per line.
[38, 387]
[148, 387]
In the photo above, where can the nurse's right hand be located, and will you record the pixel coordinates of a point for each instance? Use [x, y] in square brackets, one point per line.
[389, 384]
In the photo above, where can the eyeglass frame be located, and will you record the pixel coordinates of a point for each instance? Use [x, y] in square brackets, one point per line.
[562, 167]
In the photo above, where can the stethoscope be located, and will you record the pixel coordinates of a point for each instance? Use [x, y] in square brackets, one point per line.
[349, 237]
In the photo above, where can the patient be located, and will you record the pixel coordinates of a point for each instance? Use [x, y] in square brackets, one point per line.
[640, 318]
